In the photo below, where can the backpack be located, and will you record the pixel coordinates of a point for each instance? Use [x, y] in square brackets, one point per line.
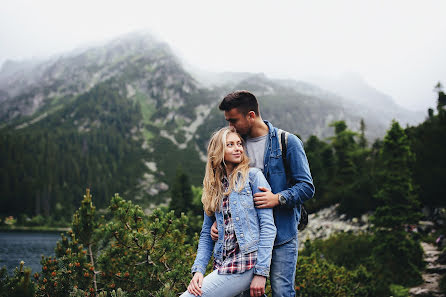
[303, 222]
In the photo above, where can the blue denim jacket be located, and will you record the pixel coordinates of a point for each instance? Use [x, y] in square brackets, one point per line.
[299, 190]
[254, 228]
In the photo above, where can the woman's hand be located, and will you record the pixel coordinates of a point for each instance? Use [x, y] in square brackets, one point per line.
[257, 287]
[195, 284]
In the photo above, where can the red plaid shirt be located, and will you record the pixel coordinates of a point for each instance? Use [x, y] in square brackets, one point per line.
[234, 261]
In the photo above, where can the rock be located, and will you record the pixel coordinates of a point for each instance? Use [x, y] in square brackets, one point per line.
[328, 222]
[432, 274]
[425, 226]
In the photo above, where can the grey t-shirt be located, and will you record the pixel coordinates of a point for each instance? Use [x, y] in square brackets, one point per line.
[255, 149]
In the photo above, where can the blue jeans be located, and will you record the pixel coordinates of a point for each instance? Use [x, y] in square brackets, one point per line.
[224, 285]
[283, 268]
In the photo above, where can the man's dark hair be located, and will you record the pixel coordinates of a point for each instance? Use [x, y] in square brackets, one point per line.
[244, 101]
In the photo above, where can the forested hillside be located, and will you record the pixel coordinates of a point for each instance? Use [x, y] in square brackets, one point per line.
[126, 117]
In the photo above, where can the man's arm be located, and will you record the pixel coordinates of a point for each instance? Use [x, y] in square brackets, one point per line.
[300, 176]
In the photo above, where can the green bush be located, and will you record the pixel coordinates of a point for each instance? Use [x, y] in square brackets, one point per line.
[343, 249]
[317, 277]
[18, 285]
[399, 291]
[392, 257]
[398, 258]
[142, 255]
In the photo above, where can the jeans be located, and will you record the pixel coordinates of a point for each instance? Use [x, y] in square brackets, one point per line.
[224, 285]
[283, 269]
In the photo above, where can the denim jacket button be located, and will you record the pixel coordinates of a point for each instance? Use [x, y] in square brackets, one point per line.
[241, 235]
[237, 218]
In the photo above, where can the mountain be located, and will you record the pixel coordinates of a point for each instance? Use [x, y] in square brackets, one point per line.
[124, 116]
[117, 118]
[352, 92]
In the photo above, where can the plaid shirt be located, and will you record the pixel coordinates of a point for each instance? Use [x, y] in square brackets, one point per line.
[234, 261]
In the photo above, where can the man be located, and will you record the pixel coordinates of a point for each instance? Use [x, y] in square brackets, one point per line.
[263, 147]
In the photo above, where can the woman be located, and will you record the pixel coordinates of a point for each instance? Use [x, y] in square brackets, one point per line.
[242, 253]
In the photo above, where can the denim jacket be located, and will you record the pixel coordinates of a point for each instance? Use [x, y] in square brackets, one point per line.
[254, 228]
[299, 189]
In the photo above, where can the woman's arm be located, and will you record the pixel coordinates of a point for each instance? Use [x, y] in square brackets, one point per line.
[267, 228]
[205, 246]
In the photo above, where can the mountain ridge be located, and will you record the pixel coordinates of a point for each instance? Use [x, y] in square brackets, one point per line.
[154, 115]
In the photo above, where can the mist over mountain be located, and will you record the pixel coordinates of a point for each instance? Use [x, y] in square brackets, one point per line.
[353, 92]
[124, 116]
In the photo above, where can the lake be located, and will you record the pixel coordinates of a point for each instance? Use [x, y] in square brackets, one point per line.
[26, 246]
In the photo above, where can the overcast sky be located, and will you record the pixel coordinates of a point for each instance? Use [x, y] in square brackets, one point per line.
[398, 47]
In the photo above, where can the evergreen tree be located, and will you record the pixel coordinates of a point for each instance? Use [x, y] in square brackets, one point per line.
[321, 159]
[182, 196]
[428, 141]
[398, 203]
[142, 255]
[398, 256]
[441, 96]
[362, 139]
[352, 182]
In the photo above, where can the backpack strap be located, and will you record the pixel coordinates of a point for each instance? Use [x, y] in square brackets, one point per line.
[283, 143]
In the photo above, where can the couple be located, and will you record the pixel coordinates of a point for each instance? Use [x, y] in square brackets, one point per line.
[251, 209]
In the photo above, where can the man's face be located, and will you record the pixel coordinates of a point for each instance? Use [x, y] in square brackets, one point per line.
[241, 123]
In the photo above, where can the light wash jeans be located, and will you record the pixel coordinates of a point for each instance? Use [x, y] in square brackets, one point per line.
[283, 270]
[224, 285]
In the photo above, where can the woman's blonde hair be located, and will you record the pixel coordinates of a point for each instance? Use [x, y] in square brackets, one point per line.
[216, 170]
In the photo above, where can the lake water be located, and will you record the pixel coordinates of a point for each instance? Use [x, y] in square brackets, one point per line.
[26, 246]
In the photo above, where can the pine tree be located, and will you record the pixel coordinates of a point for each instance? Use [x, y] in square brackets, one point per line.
[142, 255]
[398, 203]
[362, 139]
[181, 193]
[397, 255]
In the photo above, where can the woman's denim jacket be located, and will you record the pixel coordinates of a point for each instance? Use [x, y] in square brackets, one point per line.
[254, 228]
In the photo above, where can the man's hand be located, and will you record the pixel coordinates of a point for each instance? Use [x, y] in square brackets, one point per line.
[257, 287]
[214, 232]
[265, 199]
[195, 284]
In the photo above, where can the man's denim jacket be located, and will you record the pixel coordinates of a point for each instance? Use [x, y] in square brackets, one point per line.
[300, 187]
[254, 228]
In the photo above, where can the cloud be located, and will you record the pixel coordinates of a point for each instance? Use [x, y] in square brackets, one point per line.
[397, 46]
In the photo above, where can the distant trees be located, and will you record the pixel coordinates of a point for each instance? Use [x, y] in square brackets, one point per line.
[342, 171]
[46, 166]
[428, 142]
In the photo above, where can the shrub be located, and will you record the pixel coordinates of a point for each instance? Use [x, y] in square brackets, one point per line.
[315, 277]
[342, 249]
[19, 285]
[142, 255]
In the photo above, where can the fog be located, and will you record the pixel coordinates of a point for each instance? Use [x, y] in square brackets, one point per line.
[398, 47]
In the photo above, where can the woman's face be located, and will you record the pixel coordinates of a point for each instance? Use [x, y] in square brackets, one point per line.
[233, 149]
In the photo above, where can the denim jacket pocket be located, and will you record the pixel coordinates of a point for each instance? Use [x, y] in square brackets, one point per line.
[276, 162]
[245, 197]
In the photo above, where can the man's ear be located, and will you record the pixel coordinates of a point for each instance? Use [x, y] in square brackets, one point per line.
[251, 115]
